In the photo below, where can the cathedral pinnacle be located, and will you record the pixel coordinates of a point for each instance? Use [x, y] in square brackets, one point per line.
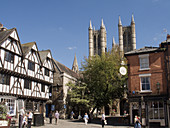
[120, 23]
[133, 21]
[113, 42]
[90, 27]
[102, 24]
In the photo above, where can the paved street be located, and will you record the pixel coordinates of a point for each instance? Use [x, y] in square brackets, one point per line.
[74, 124]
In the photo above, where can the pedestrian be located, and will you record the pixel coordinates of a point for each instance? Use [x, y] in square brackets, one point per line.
[57, 117]
[137, 122]
[24, 122]
[50, 117]
[29, 119]
[72, 115]
[103, 120]
[86, 117]
[21, 116]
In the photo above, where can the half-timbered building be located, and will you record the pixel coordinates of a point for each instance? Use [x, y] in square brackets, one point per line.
[25, 73]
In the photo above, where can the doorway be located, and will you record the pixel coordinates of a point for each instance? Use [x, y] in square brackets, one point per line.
[135, 112]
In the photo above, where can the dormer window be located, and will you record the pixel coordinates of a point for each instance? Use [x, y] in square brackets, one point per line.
[47, 72]
[144, 62]
[9, 57]
[31, 65]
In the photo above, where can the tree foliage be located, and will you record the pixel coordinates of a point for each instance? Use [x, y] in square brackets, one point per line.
[102, 78]
[77, 95]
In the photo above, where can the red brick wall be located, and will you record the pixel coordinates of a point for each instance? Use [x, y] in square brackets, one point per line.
[157, 71]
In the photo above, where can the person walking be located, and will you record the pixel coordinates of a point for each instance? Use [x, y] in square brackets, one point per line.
[57, 117]
[29, 119]
[86, 117]
[103, 120]
[137, 122]
[50, 117]
[72, 115]
[21, 116]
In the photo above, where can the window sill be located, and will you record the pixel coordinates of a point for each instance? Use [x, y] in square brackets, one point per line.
[147, 91]
[143, 69]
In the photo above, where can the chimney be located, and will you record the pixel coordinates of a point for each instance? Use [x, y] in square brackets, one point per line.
[168, 38]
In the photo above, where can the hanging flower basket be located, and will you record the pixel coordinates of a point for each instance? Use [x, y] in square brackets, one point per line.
[5, 119]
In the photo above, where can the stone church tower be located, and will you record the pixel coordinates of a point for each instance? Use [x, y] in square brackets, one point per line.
[75, 67]
[97, 40]
[127, 37]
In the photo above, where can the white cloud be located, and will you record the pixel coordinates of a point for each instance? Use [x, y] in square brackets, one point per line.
[72, 48]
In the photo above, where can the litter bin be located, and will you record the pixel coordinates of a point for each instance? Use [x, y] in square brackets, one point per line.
[38, 120]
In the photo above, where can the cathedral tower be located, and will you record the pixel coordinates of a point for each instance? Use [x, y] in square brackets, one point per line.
[97, 40]
[127, 37]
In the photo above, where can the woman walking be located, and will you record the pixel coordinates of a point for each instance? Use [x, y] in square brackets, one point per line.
[103, 120]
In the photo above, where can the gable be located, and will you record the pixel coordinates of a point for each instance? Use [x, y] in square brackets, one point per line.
[48, 64]
[32, 54]
[49, 55]
[12, 43]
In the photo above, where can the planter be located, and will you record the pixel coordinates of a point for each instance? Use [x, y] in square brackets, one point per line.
[5, 123]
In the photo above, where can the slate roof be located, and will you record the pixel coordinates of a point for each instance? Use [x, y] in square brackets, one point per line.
[144, 50]
[65, 69]
[5, 34]
[27, 47]
[43, 54]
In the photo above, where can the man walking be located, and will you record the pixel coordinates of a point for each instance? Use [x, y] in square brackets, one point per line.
[21, 116]
[57, 117]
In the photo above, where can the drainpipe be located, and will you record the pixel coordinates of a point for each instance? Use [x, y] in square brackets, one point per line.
[167, 80]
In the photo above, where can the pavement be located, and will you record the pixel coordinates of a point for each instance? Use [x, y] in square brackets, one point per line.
[75, 124]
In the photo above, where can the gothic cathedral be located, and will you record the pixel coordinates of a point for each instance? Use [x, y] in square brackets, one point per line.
[97, 38]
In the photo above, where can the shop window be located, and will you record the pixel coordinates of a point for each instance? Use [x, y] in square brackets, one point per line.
[29, 105]
[156, 110]
[11, 105]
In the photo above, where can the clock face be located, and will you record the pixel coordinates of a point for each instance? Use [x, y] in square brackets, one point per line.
[123, 70]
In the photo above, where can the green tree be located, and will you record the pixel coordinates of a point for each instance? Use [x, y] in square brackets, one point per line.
[77, 96]
[102, 78]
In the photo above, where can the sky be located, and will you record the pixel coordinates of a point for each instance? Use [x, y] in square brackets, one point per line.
[62, 25]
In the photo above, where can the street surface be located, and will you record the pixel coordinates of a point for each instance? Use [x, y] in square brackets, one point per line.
[74, 124]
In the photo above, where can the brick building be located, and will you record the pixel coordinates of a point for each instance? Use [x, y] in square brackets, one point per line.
[148, 76]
